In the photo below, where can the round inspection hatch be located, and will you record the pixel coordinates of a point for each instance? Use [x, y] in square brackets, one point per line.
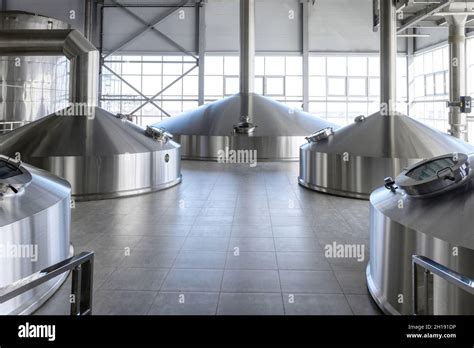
[435, 175]
[320, 135]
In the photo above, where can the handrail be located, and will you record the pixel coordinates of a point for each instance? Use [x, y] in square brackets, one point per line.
[82, 274]
[8, 126]
[453, 277]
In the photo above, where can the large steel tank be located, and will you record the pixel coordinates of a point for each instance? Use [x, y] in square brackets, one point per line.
[427, 211]
[31, 87]
[35, 219]
[275, 132]
[351, 160]
[100, 154]
[245, 122]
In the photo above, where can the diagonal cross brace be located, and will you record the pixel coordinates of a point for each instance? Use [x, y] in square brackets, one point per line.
[136, 90]
[155, 30]
[149, 100]
[423, 14]
[149, 27]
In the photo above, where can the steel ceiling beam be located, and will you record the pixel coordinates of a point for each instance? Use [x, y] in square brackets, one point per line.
[423, 14]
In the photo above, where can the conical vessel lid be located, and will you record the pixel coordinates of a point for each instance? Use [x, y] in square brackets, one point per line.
[269, 117]
[95, 133]
[394, 136]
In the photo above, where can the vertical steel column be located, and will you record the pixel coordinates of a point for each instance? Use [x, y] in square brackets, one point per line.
[88, 21]
[247, 46]
[201, 50]
[457, 73]
[409, 71]
[388, 56]
[305, 47]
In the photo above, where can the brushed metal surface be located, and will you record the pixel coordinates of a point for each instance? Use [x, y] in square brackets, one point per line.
[280, 130]
[83, 56]
[101, 156]
[36, 87]
[430, 227]
[40, 216]
[355, 160]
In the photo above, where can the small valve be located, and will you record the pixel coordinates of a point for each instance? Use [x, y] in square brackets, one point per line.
[244, 126]
[390, 184]
[158, 134]
[464, 104]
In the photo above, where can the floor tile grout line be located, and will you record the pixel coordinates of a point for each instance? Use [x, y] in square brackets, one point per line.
[337, 280]
[276, 256]
[167, 274]
[225, 262]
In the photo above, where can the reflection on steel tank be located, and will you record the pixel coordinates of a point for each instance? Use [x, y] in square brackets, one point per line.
[31, 87]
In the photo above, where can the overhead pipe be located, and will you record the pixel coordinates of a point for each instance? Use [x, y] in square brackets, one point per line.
[247, 46]
[388, 56]
[457, 71]
[83, 56]
[247, 65]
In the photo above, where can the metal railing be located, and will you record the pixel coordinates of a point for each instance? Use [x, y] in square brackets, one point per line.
[81, 290]
[8, 126]
[435, 268]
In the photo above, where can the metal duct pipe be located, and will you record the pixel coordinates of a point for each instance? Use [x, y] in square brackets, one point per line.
[388, 55]
[247, 46]
[83, 57]
[457, 77]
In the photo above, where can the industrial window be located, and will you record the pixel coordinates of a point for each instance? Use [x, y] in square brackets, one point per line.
[171, 81]
[357, 86]
[277, 77]
[232, 85]
[336, 86]
[344, 86]
[430, 85]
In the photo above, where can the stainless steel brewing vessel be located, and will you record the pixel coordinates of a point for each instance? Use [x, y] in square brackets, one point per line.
[35, 217]
[31, 87]
[102, 155]
[274, 130]
[351, 160]
[426, 211]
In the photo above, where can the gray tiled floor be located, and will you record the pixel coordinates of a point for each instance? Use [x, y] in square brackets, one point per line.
[229, 240]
